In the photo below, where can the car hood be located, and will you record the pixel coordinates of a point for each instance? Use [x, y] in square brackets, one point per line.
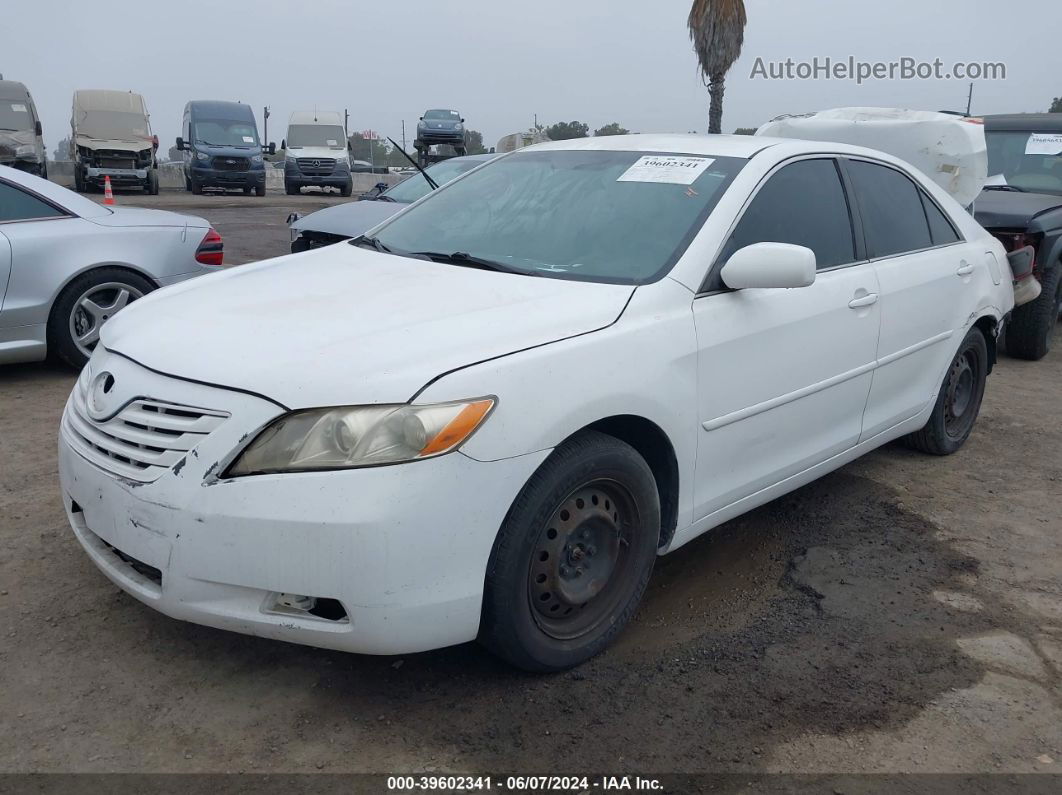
[142, 216]
[349, 219]
[344, 325]
[1002, 209]
[138, 145]
[11, 140]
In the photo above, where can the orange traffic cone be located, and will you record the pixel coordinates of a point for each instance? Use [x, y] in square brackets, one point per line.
[108, 195]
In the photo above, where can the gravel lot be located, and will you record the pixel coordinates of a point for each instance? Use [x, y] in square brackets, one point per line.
[902, 614]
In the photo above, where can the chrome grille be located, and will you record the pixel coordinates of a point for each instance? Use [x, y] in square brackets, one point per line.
[141, 441]
[315, 166]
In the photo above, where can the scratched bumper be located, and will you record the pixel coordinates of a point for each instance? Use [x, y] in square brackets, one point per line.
[403, 549]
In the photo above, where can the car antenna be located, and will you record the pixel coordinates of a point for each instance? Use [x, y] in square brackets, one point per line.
[433, 183]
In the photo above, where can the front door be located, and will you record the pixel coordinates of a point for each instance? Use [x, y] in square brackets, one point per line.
[784, 374]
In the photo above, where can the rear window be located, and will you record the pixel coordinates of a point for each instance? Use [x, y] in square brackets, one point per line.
[893, 218]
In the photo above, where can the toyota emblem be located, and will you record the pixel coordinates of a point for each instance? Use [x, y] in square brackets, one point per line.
[101, 396]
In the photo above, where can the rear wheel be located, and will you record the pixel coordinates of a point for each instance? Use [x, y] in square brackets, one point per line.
[85, 305]
[959, 401]
[573, 557]
[1032, 327]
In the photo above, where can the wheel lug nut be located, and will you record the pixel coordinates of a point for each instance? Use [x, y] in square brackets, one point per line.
[565, 571]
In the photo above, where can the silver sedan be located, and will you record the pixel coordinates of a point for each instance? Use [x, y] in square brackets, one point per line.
[67, 264]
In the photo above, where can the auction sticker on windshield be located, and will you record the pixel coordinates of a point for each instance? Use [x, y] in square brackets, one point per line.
[674, 169]
[1044, 144]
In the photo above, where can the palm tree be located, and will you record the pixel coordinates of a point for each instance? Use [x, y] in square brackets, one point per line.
[717, 28]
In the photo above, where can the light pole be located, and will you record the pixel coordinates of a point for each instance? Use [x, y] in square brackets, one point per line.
[265, 123]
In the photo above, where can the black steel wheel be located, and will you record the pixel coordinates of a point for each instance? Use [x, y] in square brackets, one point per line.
[574, 555]
[959, 400]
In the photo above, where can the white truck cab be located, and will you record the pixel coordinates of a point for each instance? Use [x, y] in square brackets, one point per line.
[316, 152]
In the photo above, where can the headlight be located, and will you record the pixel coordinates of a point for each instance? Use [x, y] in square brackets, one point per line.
[360, 436]
[459, 127]
[256, 158]
[202, 156]
[25, 150]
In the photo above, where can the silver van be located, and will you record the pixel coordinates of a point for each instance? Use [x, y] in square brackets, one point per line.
[21, 141]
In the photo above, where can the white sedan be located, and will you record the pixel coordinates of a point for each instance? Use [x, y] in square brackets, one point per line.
[68, 264]
[486, 419]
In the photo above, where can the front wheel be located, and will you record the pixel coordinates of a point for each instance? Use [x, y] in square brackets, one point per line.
[259, 190]
[347, 188]
[959, 401]
[292, 190]
[151, 187]
[573, 557]
[85, 305]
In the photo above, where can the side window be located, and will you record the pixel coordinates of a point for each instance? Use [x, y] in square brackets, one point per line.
[940, 228]
[893, 218]
[17, 205]
[804, 204]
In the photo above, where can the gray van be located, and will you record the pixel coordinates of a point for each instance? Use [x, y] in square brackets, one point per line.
[111, 138]
[21, 144]
[221, 146]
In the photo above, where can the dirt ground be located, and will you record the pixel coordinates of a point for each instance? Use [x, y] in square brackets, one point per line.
[903, 614]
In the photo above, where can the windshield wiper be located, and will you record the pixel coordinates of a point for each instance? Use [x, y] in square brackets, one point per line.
[434, 185]
[1005, 187]
[364, 241]
[382, 198]
[466, 260]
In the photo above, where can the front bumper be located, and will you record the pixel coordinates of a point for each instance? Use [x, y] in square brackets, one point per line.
[403, 549]
[119, 176]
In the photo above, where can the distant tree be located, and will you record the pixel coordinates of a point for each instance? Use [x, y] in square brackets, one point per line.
[371, 151]
[62, 150]
[474, 142]
[174, 154]
[717, 28]
[1056, 106]
[566, 130]
[612, 129]
[745, 131]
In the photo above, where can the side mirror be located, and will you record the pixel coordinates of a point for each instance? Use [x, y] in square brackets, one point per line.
[180, 144]
[770, 265]
[421, 119]
[272, 148]
[462, 121]
[37, 129]
[284, 143]
[154, 143]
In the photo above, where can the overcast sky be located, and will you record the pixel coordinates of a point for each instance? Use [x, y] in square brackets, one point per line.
[502, 62]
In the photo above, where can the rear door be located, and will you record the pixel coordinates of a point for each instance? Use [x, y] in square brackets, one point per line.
[925, 273]
[5, 271]
[783, 375]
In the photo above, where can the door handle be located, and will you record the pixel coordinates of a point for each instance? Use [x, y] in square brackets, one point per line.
[866, 300]
[965, 269]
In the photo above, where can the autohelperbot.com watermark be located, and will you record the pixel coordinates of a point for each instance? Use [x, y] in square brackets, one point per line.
[851, 68]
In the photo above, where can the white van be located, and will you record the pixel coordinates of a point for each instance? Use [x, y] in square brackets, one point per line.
[21, 144]
[316, 152]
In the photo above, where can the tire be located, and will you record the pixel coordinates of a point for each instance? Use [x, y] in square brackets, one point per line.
[1032, 326]
[197, 188]
[591, 508]
[44, 171]
[347, 188]
[151, 187]
[259, 190]
[958, 402]
[101, 285]
[79, 182]
[292, 190]
[187, 183]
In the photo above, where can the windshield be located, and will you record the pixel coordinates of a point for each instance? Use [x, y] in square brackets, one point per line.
[15, 115]
[316, 135]
[116, 125]
[620, 217]
[220, 132]
[1030, 161]
[451, 115]
[416, 186]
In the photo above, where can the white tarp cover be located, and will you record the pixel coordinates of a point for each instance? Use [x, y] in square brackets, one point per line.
[948, 149]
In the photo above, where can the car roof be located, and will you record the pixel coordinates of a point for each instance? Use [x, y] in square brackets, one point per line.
[1032, 122]
[57, 194]
[208, 106]
[744, 146]
[330, 117]
[12, 89]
